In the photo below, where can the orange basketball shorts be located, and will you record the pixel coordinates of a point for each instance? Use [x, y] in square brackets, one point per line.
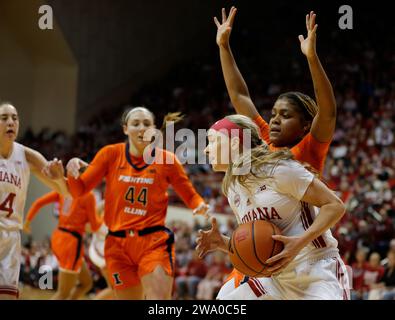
[68, 248]
[131, 256]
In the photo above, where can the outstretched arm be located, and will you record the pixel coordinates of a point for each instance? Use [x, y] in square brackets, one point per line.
[36, 207]
[82, 184]
[235, 84]
[48, 172]
[331, 211]
[324, 123]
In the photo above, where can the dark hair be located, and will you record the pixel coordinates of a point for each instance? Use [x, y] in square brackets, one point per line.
[307, 105]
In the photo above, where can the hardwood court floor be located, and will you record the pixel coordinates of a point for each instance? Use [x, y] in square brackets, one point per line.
[29, 293]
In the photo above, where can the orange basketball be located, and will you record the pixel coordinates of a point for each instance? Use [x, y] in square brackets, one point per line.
[251, 245]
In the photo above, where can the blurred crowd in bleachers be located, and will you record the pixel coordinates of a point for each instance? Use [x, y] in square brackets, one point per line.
[360, 165]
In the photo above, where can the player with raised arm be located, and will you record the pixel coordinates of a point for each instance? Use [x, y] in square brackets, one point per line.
[297, 121]
[309, 266]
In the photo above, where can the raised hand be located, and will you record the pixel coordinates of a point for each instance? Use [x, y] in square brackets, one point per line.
[74, 166]
[308, 45]
[210, 240]
[224, 29]
[54, 169]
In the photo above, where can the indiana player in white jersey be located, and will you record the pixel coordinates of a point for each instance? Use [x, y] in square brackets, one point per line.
[280, 190]
[16, 163]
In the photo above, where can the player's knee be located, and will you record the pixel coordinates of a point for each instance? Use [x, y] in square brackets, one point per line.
[159, 289]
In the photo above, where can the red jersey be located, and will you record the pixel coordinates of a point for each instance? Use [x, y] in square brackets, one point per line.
[136, 193]
[74, 214]
[307, 150]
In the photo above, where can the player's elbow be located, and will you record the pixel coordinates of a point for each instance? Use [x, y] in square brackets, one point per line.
[339, 208]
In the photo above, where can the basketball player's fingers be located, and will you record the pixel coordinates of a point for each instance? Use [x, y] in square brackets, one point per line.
[277, 267]
[83, 164]
[232, 15]
[307, 21]
[301, 38]
[73, 168]
[217, 22]
[201, 252]
[214, 223]
[223, 15]
[281, 238]
[275, 258]
[312, 19]
[314, 31]
[45, 171]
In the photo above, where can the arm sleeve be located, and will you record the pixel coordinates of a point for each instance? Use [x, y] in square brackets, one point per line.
[95, 172]
[41, 202]
[182, 185]
[291, 178]
[94, 220]
[263, 127]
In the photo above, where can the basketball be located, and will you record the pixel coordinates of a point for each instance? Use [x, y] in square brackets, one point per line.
[251, 245]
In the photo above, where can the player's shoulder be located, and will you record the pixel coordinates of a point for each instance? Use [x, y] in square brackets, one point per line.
[113, 149]
[285, 169]
[30, 155]
[289, 164]
[310, 140]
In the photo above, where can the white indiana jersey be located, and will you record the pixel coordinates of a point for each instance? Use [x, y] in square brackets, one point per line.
[14, 180]
[278, 200]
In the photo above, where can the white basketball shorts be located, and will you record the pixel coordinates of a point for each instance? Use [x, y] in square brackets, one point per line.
[323, 279]
[10, 262]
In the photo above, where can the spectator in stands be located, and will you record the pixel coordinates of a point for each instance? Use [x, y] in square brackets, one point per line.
[189, 278]
[373, 274]
[358, 271]
[209, 287]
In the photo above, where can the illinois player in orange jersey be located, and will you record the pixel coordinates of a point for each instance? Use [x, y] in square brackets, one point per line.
[297, 121]
[67, 240]
[139, 250]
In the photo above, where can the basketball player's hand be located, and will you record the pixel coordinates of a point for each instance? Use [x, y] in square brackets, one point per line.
[74, 166]
[308, 45]
[54, 169]
[210, 240]
[292, 246]
[26, 227]
[224, 29]
[202, 209]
